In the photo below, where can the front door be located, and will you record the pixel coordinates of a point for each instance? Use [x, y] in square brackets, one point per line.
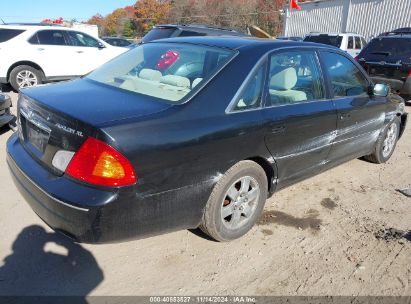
[360, 115]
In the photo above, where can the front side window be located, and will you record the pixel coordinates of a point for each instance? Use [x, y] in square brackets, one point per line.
[346, 79]
[7, 34]
[168, 71]
[49, 37]
[294, 77]
[250, 97]
[81, 39]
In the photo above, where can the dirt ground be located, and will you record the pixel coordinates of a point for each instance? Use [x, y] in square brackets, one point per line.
[338, 233]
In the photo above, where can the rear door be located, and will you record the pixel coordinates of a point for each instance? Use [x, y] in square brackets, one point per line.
[360, 116]
[300, 119]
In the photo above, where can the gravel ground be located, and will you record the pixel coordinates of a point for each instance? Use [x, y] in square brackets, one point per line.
[339, 233]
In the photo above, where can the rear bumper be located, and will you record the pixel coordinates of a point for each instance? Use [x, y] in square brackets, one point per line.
[95, 216]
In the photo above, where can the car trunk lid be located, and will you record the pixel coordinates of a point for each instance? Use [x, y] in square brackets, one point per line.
[63, 116]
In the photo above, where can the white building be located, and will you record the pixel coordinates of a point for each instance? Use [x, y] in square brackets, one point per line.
[366, 17]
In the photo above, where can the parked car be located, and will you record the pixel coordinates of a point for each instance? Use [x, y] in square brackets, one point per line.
[35, 54]
[387, 59]
[350, 42]
[6, 118]
[188, 132]
[178, 30]
[293, 38]
[117, 41]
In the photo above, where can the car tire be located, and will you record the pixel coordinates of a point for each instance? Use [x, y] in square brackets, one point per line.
[386, 143]
[236, 202]
[24, 76]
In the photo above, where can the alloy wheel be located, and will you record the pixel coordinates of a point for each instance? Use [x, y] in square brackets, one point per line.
[240, 202]
[390, 140]
[26, 79]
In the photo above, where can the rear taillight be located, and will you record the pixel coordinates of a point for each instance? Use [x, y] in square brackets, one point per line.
[409, 73]
[98, 163]
[167, 60]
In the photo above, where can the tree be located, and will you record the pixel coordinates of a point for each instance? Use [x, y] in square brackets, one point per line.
[149, 13]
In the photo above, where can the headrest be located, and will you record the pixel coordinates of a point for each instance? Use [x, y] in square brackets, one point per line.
[177, 81]
[150, 74]
[284, 80]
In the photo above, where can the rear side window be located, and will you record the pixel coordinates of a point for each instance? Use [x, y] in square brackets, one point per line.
[346, 79]
[350, 42]
[364, 43]
[48, 37]
[294, 77]
[158, 33]
[357, 43]
[250, 96]
[7, 34]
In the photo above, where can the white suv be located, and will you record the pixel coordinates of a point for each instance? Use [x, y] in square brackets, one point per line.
[34, 54]
[350, 42]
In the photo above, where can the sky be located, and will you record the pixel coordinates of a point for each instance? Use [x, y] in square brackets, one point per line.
[37, 10]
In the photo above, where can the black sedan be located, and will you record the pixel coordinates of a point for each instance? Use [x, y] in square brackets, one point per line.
[194, 132]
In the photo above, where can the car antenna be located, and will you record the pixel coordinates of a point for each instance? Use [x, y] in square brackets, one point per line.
[2, 20]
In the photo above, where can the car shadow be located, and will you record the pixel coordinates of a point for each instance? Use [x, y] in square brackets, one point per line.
[198, 232]
[5, 88]
[5, 129]
[33, 270]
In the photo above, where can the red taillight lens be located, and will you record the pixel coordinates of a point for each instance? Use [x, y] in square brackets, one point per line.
[167, 60]
[409, 73]
[98, 163]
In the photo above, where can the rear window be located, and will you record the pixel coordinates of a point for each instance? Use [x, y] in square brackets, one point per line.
[390, 47]
[333, 40]
[168, 71]
[158, 33]
[7, 34]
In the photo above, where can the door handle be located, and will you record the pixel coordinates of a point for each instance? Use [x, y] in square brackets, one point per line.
[80, 52]
[277, 129]
[40, 49]
[344, 116]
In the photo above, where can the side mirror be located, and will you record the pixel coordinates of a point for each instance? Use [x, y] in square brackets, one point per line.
[381, 90]
[101, 46]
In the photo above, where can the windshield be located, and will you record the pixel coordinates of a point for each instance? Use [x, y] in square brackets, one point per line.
[333, 40]
[158, 33]
[169, 71]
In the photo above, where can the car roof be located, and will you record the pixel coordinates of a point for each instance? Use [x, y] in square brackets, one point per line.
[235, 43]
[200, 28]
[34, 27]
[332, 33]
